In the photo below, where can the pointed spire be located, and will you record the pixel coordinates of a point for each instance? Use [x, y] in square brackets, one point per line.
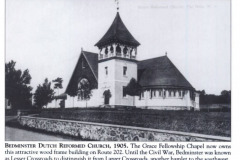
[117, 33]
[117, 2]
[166, 53]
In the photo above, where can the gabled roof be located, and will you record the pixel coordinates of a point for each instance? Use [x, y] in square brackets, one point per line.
[117, 33]
[156, 72]
[92, 61]
[161, 71]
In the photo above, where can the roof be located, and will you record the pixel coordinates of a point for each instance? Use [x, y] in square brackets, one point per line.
[117, 33]
[162, 72]
[92, 59]
[155, 72]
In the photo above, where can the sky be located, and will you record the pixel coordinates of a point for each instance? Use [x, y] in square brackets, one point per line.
[46, 36]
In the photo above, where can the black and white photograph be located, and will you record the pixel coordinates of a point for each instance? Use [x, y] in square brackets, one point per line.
[118, 70]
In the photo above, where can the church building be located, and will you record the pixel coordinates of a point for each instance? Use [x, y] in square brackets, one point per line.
[110, 70]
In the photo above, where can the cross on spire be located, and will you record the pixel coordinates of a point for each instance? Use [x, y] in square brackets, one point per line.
[117, 2]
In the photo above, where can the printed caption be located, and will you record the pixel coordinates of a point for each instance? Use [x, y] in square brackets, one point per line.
[117, 151]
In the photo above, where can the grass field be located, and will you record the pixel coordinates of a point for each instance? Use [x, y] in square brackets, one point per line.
[210, 123]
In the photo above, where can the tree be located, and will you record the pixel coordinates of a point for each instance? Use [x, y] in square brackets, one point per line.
[202, 92]
[72, 94]
[43, 94]
[225, 93]
[226, 96]
[57, 85]
[133, 88]
[17, 86]
[84, 90]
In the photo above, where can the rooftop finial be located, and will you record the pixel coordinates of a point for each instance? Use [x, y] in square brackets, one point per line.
[166, 53]
[117, 2]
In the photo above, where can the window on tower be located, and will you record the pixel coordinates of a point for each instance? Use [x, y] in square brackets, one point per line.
[106, 70]
[124, 70]
[123, 91]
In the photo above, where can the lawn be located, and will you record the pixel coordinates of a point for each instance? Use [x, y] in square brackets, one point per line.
[210, 123]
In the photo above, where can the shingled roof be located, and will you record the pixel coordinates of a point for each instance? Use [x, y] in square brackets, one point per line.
[162, 72]
[117, 33]
[92, 59]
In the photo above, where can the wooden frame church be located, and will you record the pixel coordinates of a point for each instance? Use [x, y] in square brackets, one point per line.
[108, 72]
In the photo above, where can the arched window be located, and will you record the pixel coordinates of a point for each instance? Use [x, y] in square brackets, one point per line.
[111, 49]
[118, 50]
[106, 50]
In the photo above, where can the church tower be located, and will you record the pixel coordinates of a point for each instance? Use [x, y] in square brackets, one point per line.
[117, 64]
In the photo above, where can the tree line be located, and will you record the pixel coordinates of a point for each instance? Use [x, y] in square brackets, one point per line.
[19, 92]
[223, 98]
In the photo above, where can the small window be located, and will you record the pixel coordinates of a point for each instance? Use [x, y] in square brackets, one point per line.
[83, 64]
[142, 94]
[174, 93]
[164, 93]
[180, 93]
[183, 93]
[123, 91]
[159, 93]
[154, 93]
[170, 93]
[106, 70]
[124, 70]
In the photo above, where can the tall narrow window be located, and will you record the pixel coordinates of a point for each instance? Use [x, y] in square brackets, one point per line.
[106, 70]
[170, 93]
[124, 93]
[83, 64]
[180, 93]
[164, 93]
[142, 94]
[154, 93]
[174, 93]
[124, 70]
[159, 93]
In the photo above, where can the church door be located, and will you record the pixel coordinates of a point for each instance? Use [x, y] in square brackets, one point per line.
[106, 100]
[107, 96]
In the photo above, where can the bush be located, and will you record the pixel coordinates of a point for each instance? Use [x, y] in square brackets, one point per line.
[211, 123]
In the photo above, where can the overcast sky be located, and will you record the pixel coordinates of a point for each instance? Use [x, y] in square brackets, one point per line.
[46, 36]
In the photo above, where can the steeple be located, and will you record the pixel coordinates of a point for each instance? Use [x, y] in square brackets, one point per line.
[117, 33]
[117, 41]
[117, 2]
